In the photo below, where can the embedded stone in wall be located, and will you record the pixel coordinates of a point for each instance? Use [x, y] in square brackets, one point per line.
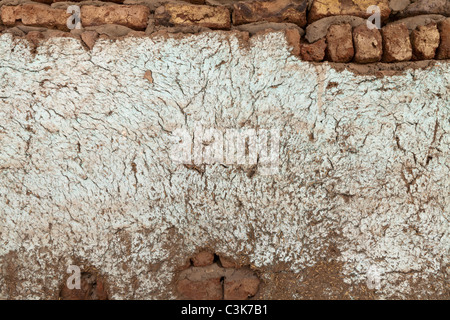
[396, 43]
[419, 7]
[413, 22]
[221, 280]
[444, 47]
[131, 16]
[425, 41]
[34, 14]
[318, 30]
[293, 37]
[9, 14]
[34, 37]
[203, 259]
[398, 5]
[228, 262]
[111, 30]
[340, 43]
[178, 14]
[313, 51]
[89, 38]
[368, 44]
[291, 11]
[326, 8]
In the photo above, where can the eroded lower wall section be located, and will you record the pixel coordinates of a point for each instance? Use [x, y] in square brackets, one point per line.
[87, 177]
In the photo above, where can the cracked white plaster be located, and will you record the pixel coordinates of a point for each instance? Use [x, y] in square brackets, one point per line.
[86, 174]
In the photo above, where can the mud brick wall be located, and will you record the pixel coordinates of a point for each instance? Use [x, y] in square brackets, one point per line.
[333, 30]
[89, 119]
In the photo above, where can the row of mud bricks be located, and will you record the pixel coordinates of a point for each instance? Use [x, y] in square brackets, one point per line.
[317, 30]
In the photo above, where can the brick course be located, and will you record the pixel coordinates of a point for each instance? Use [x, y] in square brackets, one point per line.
[424, 37]
[292, 11]
[174, 14]
[131, 16]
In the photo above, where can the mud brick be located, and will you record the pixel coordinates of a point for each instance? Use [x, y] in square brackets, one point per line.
[35, 14]
[179, 14]
[425, 41]
[131, 16]
[240, 289]
[340, 43]
[289, 11]
[313, 51]
[396, 43]
[444, 47]
[202, 259]
[327, 8]
[368, 44]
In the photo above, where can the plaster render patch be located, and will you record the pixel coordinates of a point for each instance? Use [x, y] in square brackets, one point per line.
[86, 175]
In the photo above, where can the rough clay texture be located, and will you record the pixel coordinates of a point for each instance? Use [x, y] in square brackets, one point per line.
[86, 177]
[444, 48]
[313, 51]
[368, 44]
[418, 7]
[33, 14]
[425, 40]
[340, 43]
[134, 17]
[319, 29]
[188, 15]
[292, 11]
[413, 22]
[202, 259]
[325, 8]
[396, 43]
[91, 288]
[215, 281]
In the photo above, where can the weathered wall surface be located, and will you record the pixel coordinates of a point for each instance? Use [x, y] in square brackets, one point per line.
[86, 176]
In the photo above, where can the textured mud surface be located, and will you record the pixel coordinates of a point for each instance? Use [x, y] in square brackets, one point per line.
[91, 288]
[211, 277]
[86, 176]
